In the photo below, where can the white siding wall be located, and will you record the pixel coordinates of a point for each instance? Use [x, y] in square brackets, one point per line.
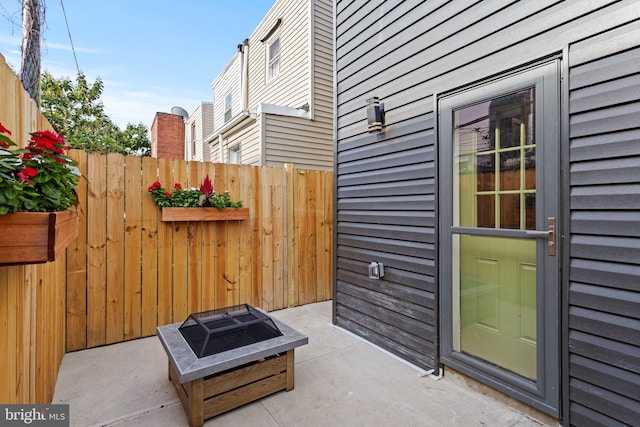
[202, 117]
[206, 129]
[246, 136]
[308, 144]
[305, 77]
[227, 81]
[290, 87]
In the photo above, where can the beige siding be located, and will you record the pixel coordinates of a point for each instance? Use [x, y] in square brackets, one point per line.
[202, 117]
[290, 88]
[248, 137]
[323, 65]
[227, 81]
[308, 144]
[292, 140]
[281, 135]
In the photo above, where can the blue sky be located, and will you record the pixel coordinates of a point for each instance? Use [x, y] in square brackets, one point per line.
[151, 55]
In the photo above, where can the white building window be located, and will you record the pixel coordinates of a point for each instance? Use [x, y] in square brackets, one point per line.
[273, 58]
[227, 108]
[193, 140]
[234, 154]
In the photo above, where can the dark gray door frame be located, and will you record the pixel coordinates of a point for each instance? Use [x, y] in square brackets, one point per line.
[544, 393]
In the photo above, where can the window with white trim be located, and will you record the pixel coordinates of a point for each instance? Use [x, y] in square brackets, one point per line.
[234, 154]
[273, 58]
[193, 139]
[227, 108]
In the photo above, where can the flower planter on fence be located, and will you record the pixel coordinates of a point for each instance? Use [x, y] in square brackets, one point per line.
[204, 214]
[36, 237]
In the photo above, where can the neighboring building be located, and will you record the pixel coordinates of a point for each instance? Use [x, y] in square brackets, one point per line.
[196, 128]
[502, 195]
[167, 136]
[273, 103]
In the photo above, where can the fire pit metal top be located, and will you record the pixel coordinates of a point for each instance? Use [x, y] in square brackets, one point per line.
[215, 331]
[189, 366]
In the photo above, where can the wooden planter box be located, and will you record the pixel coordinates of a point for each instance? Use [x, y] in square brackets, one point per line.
[207, 397]
[204, 214]
[36, 237]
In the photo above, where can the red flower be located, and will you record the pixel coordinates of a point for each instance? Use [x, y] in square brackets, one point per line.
[27, 173]
[168, 194]
[46, 140]
[4, 130]
[156, 185]
[177, 185]
[206, 188]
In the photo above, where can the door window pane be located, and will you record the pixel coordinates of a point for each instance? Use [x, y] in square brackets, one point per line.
[494, 144]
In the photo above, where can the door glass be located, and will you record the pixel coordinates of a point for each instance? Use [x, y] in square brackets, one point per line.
[495, 188]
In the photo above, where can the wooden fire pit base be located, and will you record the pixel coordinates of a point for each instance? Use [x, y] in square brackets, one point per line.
[212, 395]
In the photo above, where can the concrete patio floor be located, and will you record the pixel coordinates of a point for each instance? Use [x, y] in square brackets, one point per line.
[340, 380]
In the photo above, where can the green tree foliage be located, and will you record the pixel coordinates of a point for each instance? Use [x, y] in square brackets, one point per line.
[75, 110]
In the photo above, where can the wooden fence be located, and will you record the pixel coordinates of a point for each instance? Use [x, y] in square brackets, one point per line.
[32, 314]
[129, 272]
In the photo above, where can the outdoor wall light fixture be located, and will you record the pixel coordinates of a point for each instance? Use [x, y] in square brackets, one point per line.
[375, 114]
[376, 270]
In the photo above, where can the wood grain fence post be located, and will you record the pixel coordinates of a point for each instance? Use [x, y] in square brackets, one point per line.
[289, 217]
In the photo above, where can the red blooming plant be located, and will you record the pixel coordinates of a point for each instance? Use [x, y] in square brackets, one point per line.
[205, 196]
[39, 177]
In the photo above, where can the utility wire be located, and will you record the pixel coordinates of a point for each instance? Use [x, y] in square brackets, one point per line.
[70, 40]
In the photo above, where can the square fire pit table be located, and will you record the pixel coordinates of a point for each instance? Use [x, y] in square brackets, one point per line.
[215, 383]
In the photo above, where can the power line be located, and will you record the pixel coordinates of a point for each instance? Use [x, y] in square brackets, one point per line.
[70, 40]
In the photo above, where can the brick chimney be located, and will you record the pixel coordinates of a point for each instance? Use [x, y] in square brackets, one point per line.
[167, 136]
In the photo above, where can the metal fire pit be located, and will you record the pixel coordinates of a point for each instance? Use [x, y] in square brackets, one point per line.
[222, 359]
[216, 331]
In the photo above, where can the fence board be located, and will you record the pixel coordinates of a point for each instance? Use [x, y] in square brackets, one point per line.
[325, 271]
[194, 233]
[76, 297]
[96, 251]
[208, 255]
[266, 213]
[244, 253]
[115, 248]
[279, 239]
[301, 226]
[180, 247]
[133, 248]
[165, 263]
[290, 253]
[149, 250]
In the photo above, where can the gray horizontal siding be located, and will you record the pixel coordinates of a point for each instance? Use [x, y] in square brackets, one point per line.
[604, 276]
[407, 51]
[385, 203]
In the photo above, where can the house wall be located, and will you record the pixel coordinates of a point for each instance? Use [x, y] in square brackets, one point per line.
[246, 135]
[604, 267]
[227, 81]
[291, 140]
[305, 82]
[308, 144]
[202, 117]
[291, 87]
[405, 52]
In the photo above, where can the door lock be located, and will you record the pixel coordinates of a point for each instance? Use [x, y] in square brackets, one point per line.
[550, 234]
[551, 238]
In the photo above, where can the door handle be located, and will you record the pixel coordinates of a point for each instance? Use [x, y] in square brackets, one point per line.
[550, 234]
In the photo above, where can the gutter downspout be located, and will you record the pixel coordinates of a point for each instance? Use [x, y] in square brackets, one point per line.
[220, 140]
[244, 74]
